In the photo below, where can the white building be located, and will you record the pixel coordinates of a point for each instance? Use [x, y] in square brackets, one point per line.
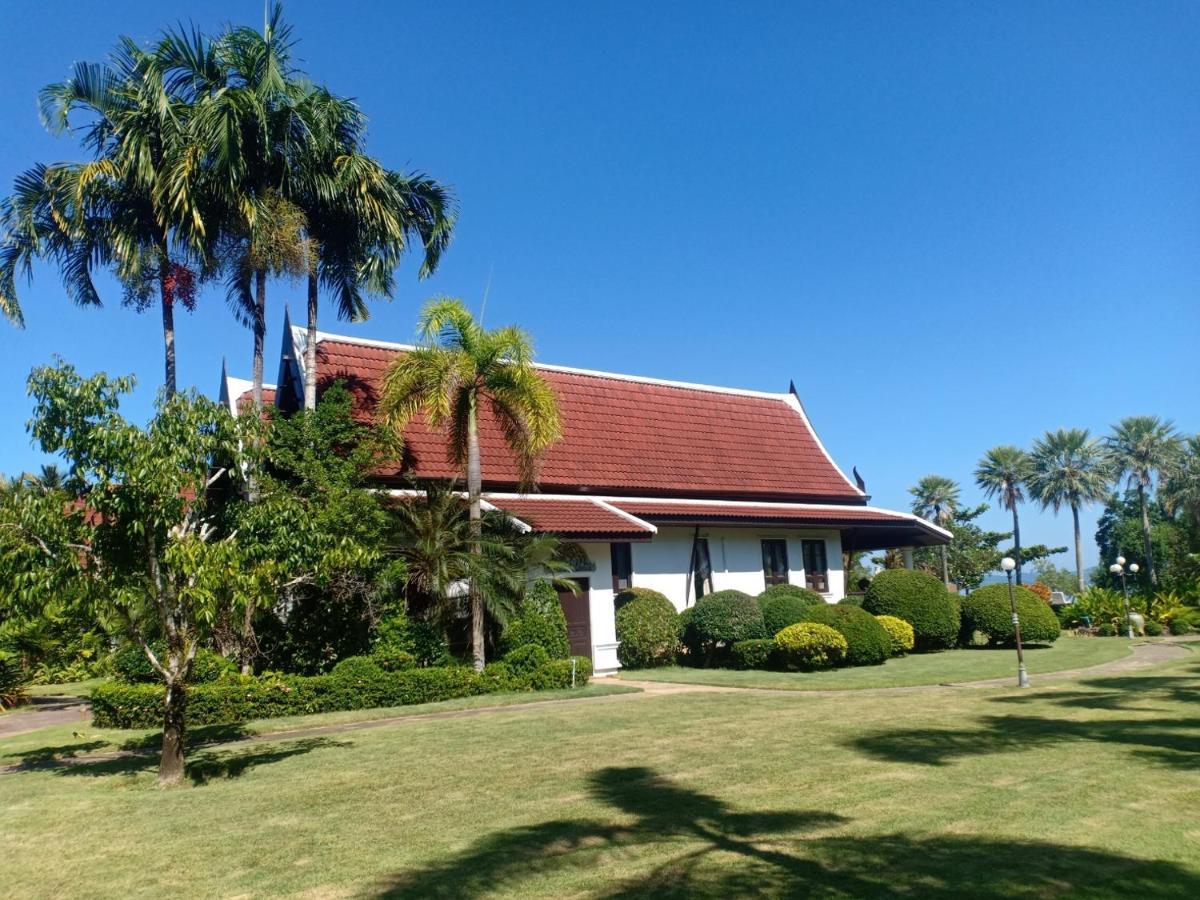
[683, 488]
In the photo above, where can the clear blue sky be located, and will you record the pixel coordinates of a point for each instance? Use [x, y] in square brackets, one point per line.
[953, 225]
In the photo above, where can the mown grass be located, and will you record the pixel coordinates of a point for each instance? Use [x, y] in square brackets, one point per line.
[1087, 787]
[951, 666]
[66, 689]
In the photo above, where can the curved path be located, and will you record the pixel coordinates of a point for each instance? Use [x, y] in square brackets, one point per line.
[45, 711]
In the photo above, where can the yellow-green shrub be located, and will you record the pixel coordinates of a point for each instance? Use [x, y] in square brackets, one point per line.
[811, 645]
[900, 632]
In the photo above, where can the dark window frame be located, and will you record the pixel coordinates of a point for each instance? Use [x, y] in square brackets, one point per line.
[622, 565]
[701, 567]
[816, 572]
[774, 555]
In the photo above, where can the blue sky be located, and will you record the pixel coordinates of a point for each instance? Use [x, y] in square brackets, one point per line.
[953, 225]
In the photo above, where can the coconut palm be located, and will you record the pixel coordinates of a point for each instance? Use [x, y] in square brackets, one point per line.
[1001, 473]
[936, 498]
[1140, 449]
[1180, 490]
[1067, 468]
[120, 208]
[459, 370]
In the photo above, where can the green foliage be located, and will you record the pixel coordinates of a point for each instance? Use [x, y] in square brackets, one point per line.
[647, 628]
[1057, 579]
[538, 621]
[971, 553]
[13, 681]
[812, 645]
[784, 604]
[130, 664]
[721, 619]
[1181, 626]
[357, 668]
[851, 600]
[424, 641]
[868, 642]
[920, 599]
[392, 659]
[1096, 604]
[1153, 628]
[759, 653]
[1119, 533]
[526, 659]
[988, 612]
[901, 633]
[243, 698]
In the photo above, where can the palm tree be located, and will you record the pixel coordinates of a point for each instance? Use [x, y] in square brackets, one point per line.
[122, 208]
[361, 218]
[1180, 490]
[936, 498]
[459, 370]
[1066, 468]
[1002, 473]
[1139, 449]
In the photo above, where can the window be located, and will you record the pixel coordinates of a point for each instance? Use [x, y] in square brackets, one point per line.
[622, 566]
[775, 562]
[701, 567]
[816, 570]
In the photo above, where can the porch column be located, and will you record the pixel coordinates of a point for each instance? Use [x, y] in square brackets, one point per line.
[908, 560]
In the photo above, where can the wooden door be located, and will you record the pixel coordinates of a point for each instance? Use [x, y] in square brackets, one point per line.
[578, 610]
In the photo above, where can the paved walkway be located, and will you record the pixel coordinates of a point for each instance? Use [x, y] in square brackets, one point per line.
[66, 709]
[45, 711]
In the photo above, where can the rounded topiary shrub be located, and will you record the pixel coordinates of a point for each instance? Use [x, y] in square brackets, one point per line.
[721, 619]
[357, 667]
[921, 600]
[1153, 628]
[900, 632]
[539, 620]
[868, 643]
[811, 645]
[526, 659]
[392, 659]
[759, 653]
[784, 604]
[1180, 625]
[986, 610]
[647, 629]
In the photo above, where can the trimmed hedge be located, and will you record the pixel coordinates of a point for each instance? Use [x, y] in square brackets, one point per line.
[811, 645]
[423, 641]
[720, 620]
[900, 632]
[647, 629]
[758, 653]
[242, 698]
[987, 611]
[131, 665]
[539, 620]
[1153, 628]
[868, 642]
[784, 604]
[921, 600]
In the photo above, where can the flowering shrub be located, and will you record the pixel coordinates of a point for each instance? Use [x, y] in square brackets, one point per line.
[900, 632]
[811, 645]
[1042, 590]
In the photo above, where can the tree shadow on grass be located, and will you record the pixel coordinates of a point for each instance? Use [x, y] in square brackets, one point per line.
[669, 841]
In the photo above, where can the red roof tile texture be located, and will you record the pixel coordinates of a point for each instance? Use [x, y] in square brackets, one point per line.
[247, 398]
[568, 517]
[625, 436]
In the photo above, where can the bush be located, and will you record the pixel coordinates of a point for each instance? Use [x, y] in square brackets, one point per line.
[647, 628]
[391, 658]
[1106, 629]
[130, 664]
[868, 643]
[539, 620]
[525, 660]
[900, 632]
[851, 600]
[12, 682]
[1180, 625]
[720, 620]
[1153, 628]
[1042, 590]
[759, 653]
[784, 604]
[402, 633]
[241, 698]
[357, 667]
[987, 611]
[811, 645]
[921, 600]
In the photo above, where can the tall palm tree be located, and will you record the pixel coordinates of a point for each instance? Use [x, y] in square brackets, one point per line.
[936, 498]
[1180, 490]
[1002, 473]
[1067, 468]
[1139, 449]
[361, 217]
[460, 369]
[120, 209]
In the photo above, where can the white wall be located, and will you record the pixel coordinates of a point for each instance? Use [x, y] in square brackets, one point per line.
[662, 564]
[603, 620]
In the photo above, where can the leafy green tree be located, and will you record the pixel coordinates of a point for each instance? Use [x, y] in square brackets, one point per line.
[1140, 449]
[971, 553]
[139, 540]
[1055, 578]
[1002, 473]
[1067, 468]
[461, 369]
[1122, 527]
[1180, 492]
[936, 498]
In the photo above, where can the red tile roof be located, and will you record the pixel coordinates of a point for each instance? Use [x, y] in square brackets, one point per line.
[799, 514]
[627, 436]
[570, 517]
[247, 398]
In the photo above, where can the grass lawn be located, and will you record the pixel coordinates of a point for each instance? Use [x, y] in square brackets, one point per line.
[1085, 787]
[1068, 652]
[69, 689]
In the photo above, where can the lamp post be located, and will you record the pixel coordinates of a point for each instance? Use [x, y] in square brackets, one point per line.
[1118, 568]
[1008, 564]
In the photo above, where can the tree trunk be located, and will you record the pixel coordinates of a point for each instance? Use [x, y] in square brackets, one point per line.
[168, 320]
[1078, 546]
[170, 766]
[1017, 542]
[1147, 548]
[247, 642]
[260, 333]
[945, 566]
[474, 489]
[310, 349]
